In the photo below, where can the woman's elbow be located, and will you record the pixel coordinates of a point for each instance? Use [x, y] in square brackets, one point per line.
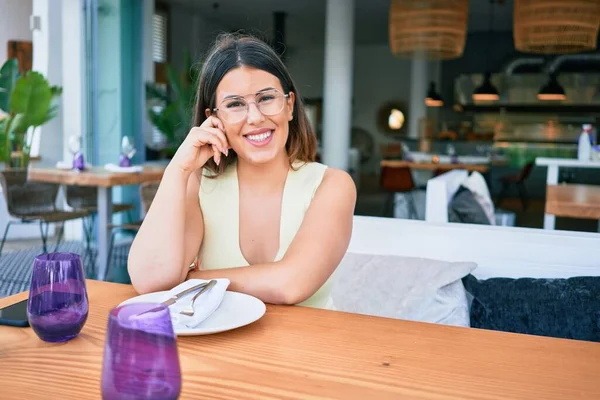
[289, 295]
[143, 281]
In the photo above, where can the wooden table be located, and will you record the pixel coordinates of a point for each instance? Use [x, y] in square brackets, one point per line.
[553, 165]
[304, 353]
[104, 180]
[574, 201]
[482, 168]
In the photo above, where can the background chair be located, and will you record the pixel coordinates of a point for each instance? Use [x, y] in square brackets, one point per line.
[85, 199]
[398, 180]
[31, 202]
[517, 180]
[147, 193]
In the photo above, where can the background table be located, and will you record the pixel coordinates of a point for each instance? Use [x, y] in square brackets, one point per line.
[305, 353]
[104, 180]
[553, 165]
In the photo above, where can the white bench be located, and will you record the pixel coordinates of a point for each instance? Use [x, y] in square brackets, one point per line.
[498, 251]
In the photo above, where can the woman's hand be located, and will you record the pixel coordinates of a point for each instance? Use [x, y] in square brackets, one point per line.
[202, 142]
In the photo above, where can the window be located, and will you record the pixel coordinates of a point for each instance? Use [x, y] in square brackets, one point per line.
[160, 43]
[159, 37]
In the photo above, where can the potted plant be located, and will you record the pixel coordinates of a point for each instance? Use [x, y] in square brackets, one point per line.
[170, 106]
[26, 101]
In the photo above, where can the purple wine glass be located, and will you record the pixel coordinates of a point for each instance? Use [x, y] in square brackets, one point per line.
[140, 354]
[58, 303]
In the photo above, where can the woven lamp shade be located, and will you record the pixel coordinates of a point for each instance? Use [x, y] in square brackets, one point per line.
[433, 29]
[556, 26]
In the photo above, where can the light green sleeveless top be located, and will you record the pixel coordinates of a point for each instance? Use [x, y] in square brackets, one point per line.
[219, 201]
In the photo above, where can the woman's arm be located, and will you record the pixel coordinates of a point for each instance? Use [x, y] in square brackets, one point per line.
[312, 257]
[170, 235]
[172, 231]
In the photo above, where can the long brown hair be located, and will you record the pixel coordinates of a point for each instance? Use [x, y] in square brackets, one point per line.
[235, 50]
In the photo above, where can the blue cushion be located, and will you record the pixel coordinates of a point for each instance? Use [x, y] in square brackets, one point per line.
[562, 308]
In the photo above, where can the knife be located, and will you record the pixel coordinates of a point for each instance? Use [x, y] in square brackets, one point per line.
[177, 296]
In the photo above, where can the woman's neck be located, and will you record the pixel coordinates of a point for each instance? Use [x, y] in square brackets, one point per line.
[266, 176]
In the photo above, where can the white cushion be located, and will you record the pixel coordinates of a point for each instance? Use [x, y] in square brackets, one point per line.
[416, 289]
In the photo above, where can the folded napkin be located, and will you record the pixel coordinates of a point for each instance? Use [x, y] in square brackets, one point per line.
[116, 168]
[204, 306]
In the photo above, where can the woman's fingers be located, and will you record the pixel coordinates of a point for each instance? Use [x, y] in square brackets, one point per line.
[214, 122]
[216, 154]
[209, 136]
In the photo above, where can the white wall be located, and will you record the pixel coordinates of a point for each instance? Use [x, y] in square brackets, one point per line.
[47, 59]
[14, 23]
[379, 77]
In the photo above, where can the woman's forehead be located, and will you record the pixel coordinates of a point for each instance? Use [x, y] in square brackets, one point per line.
[243, 81]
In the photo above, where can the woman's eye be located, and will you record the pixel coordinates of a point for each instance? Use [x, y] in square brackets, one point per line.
[235, 104]
[266, 98]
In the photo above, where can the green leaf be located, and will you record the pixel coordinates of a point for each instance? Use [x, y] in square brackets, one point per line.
[165, 122]
[3, 125]
[32, 96]
[56, 91]
[9, 73]
[174, 82]
[156, 93]
[20, 124]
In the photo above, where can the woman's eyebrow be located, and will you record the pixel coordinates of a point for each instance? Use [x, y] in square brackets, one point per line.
[234, 96]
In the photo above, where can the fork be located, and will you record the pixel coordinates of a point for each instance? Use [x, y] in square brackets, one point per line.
[189, 311]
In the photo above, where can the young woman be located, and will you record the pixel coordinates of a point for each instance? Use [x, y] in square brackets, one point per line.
[243, 198]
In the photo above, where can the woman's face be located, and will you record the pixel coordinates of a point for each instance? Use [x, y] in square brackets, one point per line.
[256, 114]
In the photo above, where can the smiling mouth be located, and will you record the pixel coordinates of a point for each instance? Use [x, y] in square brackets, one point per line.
[260, 137]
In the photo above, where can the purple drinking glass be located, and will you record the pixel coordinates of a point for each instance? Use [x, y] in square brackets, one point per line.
[124, 161]
[78, 161]
[140, 354]
[58, 303]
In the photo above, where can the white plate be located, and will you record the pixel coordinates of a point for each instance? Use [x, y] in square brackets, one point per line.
[236, 310]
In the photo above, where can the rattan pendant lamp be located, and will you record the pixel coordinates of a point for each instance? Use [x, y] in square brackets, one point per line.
[556, 26]
[431, 29]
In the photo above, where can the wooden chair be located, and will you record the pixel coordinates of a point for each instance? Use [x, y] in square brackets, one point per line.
[33, 202]
[398, 180]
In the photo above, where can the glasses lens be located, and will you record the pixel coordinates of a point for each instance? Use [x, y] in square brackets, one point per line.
[270, 103]
[234, 110]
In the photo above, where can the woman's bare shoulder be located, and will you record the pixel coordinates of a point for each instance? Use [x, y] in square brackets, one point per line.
[335, 179]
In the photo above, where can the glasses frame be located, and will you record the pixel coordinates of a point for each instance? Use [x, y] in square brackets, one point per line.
[285, 96]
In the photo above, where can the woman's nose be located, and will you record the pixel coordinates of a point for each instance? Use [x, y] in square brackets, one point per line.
[254, 114]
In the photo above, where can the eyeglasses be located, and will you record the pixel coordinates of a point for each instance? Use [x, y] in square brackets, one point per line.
[235, 109]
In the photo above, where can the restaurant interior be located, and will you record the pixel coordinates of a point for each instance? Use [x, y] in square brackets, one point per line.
[469, 128]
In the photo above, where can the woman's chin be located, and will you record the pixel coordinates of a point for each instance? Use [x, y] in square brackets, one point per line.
[261, 156]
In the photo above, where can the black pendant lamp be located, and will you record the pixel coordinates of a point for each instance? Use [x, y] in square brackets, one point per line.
[487, 91]
[433, 99]
[552, 90]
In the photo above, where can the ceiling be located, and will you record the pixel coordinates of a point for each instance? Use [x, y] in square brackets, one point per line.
[306, 18]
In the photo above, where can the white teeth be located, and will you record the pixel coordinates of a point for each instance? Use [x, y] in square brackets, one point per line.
[260, 137]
